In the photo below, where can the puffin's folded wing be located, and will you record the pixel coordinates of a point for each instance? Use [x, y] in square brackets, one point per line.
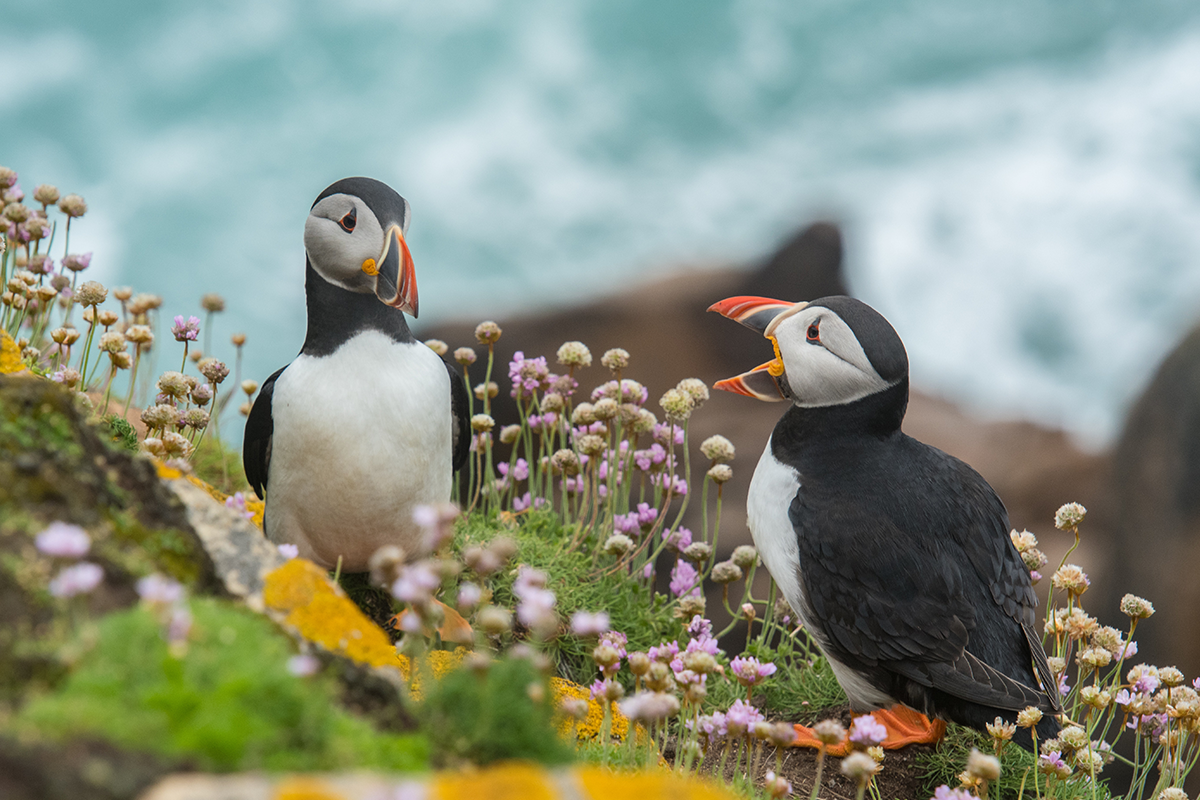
[969, 678]
[460, 422]
[256, 444]
[871, 587]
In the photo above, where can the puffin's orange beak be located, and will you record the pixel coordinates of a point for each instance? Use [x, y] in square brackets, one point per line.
[756, 313]
[759, 383]
[396, 284]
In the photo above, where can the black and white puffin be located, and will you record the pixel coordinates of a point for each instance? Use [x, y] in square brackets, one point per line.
[366, 423]
[895, 555]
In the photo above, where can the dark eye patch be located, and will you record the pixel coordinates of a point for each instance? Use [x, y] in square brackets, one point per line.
[350, 220]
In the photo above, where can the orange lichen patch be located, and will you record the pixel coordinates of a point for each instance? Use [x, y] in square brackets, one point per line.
[305, 789]
[256, 507]
[321, 612]
[510, 781]
[602, 784]
[589, 726]
[10, 355]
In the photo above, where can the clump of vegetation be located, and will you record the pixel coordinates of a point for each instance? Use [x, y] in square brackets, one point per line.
[224, 694]
[502, 712]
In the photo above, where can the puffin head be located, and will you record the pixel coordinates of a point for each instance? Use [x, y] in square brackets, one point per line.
[354, 238]
[828, 352]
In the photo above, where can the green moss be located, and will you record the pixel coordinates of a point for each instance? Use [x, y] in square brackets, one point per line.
[503, 714]
[229, 703]
[578, 585]
[165, 550]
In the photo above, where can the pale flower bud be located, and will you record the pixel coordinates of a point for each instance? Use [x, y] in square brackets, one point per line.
[1069, 516]
[718, 449]
[695, 388]
[726, 572]
[982, 766]
[487, 332]
[720, 473]
[615, 359]
[1136, 607]
[574, 354]
[677, 404]
[437, 346]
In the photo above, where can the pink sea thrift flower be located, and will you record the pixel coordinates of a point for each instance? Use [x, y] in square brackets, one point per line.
[186, 330]
[685, 581]
[159, 590]
[741, 717]
[237, 502]
[303, 664]
[588, 623]
[289, 551]
[63, 540]
[79, 578]
[865, 730]
[750, 671]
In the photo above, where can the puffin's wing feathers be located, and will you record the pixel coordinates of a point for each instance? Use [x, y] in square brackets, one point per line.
[984, 540]
[256, 445]
[878, 603]
[459, 419]
[971, 679]
[903, 605]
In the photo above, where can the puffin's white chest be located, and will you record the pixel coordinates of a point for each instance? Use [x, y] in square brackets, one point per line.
[361, 437]
[772, 489]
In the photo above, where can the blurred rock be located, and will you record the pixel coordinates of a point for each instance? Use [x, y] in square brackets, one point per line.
[1156, 495]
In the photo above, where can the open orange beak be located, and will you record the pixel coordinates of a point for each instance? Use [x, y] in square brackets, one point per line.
[396, 283]
[756, 313]
[758, 383]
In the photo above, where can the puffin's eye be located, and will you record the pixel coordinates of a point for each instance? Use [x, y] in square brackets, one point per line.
[349, 221]
[814, 333]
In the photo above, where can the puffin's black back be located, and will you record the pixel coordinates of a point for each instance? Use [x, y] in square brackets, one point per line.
[908, 566]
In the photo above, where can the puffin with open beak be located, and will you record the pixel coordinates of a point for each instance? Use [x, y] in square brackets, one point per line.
[366, 423]
[895, 556]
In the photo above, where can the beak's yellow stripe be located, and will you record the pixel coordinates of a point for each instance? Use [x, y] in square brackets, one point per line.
[776, 366]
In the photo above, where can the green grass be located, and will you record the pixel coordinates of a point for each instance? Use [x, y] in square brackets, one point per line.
[579, 584]
[504, 713]
[943, 765]
[230, 703]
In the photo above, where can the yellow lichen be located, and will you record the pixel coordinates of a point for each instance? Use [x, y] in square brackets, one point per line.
[10, 355]
[602, 784]
[255, 507]
[509, 781]
[589, 726]
[313, 605]
[305, 789]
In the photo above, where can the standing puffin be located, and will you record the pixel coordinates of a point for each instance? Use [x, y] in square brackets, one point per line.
[895, 555]
[366, 423]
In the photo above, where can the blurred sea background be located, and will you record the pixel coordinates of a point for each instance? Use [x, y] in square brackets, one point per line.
[1018, 182]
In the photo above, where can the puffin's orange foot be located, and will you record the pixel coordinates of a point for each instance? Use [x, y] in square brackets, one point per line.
[904, 727]
[453, 628]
